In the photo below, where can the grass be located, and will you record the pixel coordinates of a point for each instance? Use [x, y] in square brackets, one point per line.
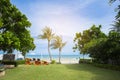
[60, 72]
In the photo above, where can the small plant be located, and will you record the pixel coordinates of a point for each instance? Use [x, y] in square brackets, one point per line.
[19, 62]
[10, 63]
[53, 62]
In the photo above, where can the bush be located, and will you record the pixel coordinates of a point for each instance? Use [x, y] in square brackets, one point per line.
[88, 61]
[10, 63]
[108, 66]
[20, 62]
[53, 62]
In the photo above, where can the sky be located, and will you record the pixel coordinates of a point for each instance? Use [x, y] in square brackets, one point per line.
[65, 17]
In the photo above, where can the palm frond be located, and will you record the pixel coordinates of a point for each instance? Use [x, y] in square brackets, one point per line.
[47, 34]
[58, 43]
[63, 44]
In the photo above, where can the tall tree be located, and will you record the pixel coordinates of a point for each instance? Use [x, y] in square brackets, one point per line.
[83, 38]
[114, 47]
[58, 44]
[49, 35]
[14, 33]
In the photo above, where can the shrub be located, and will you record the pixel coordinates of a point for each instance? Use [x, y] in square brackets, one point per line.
[10, 63]
[53, 62]
[108, 66]
[88, 61]
[20, 62]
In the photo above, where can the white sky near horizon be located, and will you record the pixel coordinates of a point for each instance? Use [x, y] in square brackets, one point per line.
[65, 17]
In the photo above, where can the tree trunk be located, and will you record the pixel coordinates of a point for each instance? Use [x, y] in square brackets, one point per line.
[59, 55]
[49, 51]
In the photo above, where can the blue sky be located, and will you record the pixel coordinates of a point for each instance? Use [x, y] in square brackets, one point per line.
[65, 17]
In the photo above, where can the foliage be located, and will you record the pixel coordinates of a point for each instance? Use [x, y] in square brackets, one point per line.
[58, 44]
[111, 1]
[105, 50]
[10, 63]
[101, 48]
[49, 35]
[88, 61]
[14, 33]
[19, 62]
[82, 39]
[108, 66]
[53, 62]
[96, 49]
[114, 47]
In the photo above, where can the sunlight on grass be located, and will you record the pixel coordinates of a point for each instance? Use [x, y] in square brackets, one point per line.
[60, 72]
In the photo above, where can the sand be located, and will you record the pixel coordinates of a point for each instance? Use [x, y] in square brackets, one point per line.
[65, 61]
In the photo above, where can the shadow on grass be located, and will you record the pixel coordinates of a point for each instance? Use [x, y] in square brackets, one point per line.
[90, 72]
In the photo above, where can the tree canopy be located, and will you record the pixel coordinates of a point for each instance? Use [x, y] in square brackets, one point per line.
[81, 39]
[101, 48]
[14, 33]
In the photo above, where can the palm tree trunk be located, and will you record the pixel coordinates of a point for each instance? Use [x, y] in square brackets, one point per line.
[49, 51]
[59, 55]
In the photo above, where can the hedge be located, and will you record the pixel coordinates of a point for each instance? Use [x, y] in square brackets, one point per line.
[88, 61]
[107, 66]
[10, 63]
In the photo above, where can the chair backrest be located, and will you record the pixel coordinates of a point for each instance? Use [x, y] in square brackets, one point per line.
[8, 57]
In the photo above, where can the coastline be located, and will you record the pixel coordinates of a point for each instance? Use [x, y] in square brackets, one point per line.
[64, 60]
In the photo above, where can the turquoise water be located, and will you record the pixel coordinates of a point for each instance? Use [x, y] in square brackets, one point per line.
[56, 56]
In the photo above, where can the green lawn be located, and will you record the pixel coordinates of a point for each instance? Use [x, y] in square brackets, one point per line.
[60, 72]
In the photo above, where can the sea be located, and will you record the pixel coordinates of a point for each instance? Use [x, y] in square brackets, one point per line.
[64, 58]
[54, 56]
[44, 57]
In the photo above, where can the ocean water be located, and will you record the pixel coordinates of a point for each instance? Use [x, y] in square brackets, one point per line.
[64, 58]
[54, 56]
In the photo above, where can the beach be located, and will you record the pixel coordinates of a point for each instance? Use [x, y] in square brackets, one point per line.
[65, 59]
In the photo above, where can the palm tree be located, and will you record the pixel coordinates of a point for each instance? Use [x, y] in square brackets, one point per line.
[116, 26]
[47, 34]
[58, 44]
